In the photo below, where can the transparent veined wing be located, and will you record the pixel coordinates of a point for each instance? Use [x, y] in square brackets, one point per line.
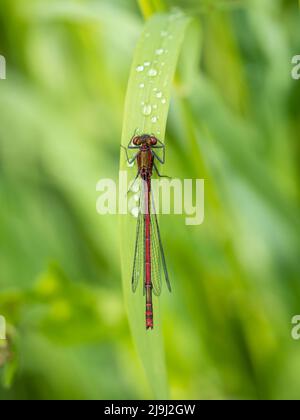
[158, 260]
[138, 262]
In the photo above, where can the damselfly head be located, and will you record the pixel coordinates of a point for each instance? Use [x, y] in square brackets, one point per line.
[144, 139]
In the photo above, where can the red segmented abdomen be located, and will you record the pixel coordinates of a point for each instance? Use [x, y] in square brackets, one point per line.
[149, 316]
[148, 281]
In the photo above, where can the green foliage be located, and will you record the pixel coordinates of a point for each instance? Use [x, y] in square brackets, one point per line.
[146, 110]
[233, 120]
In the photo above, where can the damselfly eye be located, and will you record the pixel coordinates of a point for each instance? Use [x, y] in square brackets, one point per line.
[136, 141]
[153, 141]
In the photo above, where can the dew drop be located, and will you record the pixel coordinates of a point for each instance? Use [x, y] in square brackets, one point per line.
[155, 106]
[142, 85]
[134, 186]
[154, 120]
[159, 95]
[135, 212]
[163, 101]
[147, 63]
[139, 69]
[155, 89]
[152, 73]
[159, 51]
[147, 109]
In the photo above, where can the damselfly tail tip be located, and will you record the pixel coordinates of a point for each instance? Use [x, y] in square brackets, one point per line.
[149, 324]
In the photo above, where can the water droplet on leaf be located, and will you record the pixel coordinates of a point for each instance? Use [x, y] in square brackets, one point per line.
[152, 73]
[147, 109]
[134, 186]
[135, 212]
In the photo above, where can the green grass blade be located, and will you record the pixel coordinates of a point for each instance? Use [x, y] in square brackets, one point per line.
[146, 110]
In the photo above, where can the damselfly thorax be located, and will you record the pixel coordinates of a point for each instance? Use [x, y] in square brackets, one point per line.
[145, 160]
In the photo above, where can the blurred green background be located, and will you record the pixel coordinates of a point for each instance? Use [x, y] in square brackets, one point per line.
[236, 278]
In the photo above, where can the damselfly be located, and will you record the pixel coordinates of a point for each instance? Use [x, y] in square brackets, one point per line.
[149, 258]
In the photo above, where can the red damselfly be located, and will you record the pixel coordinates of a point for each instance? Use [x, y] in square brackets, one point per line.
[149, 258]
